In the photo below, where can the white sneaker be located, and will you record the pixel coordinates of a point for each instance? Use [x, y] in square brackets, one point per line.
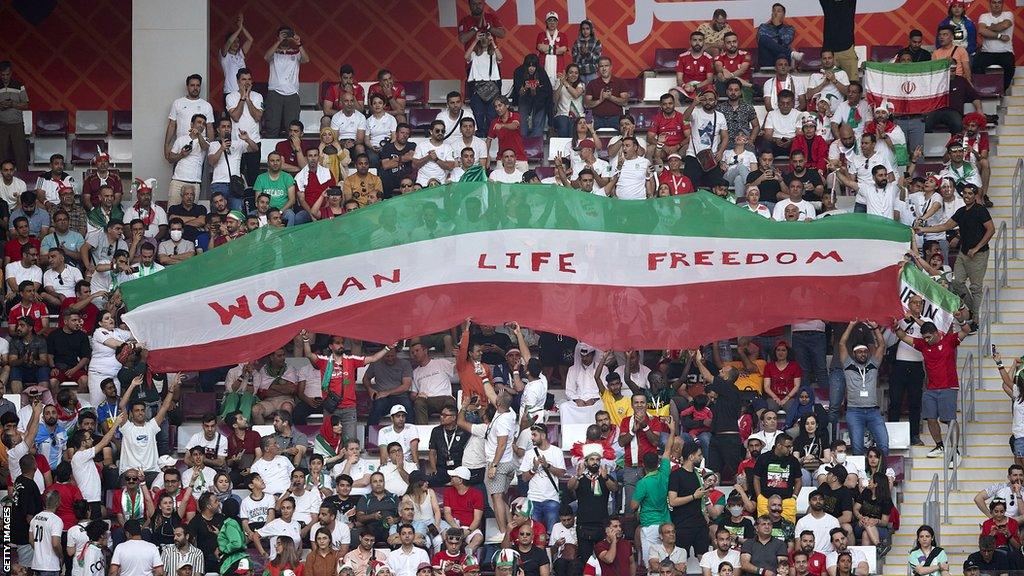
[797, 56]
[936, 452]
[955, 461]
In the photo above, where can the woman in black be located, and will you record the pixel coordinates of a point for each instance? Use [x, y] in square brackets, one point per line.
[687, 500]
[532, 93]
[163, 522]
[871, 511]
[811, 446]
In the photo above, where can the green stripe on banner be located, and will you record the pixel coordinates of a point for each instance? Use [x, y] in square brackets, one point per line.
[929, 289]
[465, 208]
[926, 67]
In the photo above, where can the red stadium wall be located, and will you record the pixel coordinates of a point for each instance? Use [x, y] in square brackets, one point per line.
[72, 54]
[406, 36]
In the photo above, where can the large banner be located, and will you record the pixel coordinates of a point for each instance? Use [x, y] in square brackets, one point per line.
[417, 39]
[667, 273]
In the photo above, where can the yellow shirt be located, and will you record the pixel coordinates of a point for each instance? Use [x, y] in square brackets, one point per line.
[618, 409]
[754, 381]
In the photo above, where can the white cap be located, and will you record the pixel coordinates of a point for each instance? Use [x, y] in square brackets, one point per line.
[396, 409]
[166, 461]
[552, 14]
[461, 472]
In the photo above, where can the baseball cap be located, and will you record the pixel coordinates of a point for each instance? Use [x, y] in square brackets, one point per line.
[424, 565]
[587, 143]
[334, 191]
[709, 88]
[839, 471]
[396, 409]
[461, 472]
[971, 564]
[243, 566]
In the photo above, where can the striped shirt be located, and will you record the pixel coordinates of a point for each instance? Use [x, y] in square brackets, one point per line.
[173, 558]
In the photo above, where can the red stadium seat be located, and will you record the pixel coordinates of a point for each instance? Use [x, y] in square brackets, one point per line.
[896, 462]
[883, 53]
[534, 147]
[989, 84]
[665, 59]
[121, 123]
[635, 87]
[414, 93]
[544, 172]
[83, 150]
[50, 122]
[420, 118]
[198, 405]
[811, 61]
[647, 112]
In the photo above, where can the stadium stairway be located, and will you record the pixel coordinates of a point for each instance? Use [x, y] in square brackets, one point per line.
[987, 453]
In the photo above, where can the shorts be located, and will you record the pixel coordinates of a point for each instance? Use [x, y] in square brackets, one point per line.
[939, 404]
[1017, 446]
[503, 476]
[276, 403]
[650, 538]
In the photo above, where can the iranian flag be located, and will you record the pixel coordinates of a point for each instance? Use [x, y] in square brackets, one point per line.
[666, 273]
[911, 88]
[939, 304]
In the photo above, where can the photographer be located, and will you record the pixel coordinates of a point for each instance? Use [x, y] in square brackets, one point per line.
[226, 158]
[282, 102]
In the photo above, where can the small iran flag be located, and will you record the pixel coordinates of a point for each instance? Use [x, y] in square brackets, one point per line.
[911, 88]
[939, 304]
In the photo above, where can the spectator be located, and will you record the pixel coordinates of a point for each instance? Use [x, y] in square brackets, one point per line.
[777, 472]
[819, 522]
[775, 37]
[324, 559]
[13, 145]
[396, 162]
[27, 356]
[781, 82]
[232, 59]
[814, 561]
[282, 102]
[811, 446]
[606, 95]
[965, 32]
[532, 94]
[381, 126]
[927, 557]
[11, 186]
[69, 349]
[332, 96]
[996, 29]
[431, 388]
[135, 556]
[273, 468]
[781, 126]
[763, 552]
[722, 553]
[568, 88]
[769, 432]
[38, 220]
[915, 48]
[862, 389]
[859, 562]
[67, 239]
[552, 47]
[183, 109]
[393, 93]
[245, 108]
[226, 159]
[947, 48]
[854, 111]
[101, 176]
[715, 32]
[839, 500]
[695, 70]
[614, 552]
[311, 183]
[180, 552]
[987, 558]
[586, 51]
[872, 512]
[285, 555]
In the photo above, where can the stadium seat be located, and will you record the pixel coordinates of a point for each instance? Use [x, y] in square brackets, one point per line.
[665, 59]
[655, 87]
[121, 123]
[573, 433]
[120, 150]
[308, 143]
[26, 118]
[898, 465]
[545, 172]
[884, 53]
[928, 167]
[635, 88]
[506, 86]
[556, 145]
[534, 147]
[91, 122]
[413, 93]
[420, 118]
[935, 144]
[198, 405]
[43, 148]
[802, 498]
[647, 112]
[263, 429]
[309, 94]
[437, 90]
[267, 146]
[899, 435]
[989, 84]
[83, 150]
[811, 61]
[50, 122]
[310, 121]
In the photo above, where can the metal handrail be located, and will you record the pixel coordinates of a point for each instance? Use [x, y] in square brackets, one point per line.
[985, 317]
[1017, 202]
[930, 510]
[1001, 263]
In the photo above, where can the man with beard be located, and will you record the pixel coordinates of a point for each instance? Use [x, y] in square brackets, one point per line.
[732, 63]
[101, 177]
[592, 485]
[709, 132]
[581, 393]
[725, 450]
[814, 561]
[687, 498]
[976, 149]
[694, 70]
[818, 522]
[740, 116]
[831, 83]
[667, 129]
[810, 180]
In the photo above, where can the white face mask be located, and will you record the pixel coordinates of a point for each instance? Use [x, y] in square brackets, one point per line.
[736, 510]
[841, 457]
[176, 235]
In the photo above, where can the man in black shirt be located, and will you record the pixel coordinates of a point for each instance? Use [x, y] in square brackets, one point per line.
[915, 47]
[531, 558]
[493, 343]
[592, 486]
[70, 349]
[27, 501]
[976, 229]
[725, 450]
[814, 187]
[687, 498]
[988, 558]
[343, 502]
[838, 33]
[447, 443]
[778, 473]
[396, 160]
[838, 498]
[767, 179]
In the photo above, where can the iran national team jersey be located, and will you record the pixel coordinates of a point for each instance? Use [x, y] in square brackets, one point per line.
[694, 68]
[733, 63]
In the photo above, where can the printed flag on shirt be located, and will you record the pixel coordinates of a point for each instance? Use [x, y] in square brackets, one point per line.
[939, 304]
[912, 88]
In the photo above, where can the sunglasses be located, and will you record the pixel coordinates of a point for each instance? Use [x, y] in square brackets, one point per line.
[131, 479]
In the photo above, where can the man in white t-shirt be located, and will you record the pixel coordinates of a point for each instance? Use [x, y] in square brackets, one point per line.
[453, 115]
[46, 528]
[245, 107]
[541, 468]
[781, 81]
[232, 57]
[431, 382]
[708, 131]
[507, 173]
[840, 544]
[465, 137]
[795, 196]
[11, 186]
[350, 124]
[282, 103]
[878, 195]
[135, 556]
[83, 466]
[830, 83]
[213, 443]
[225, 155]
[818, 521]
[182, 109]
[187, 154]
[854, 112]
[431, 157]
[781, 125]
[722, 552]
[274, 468]
[399, 431]
[633, 178]
[996, 29]
[354, 467]
[138, 435]
[89, 558]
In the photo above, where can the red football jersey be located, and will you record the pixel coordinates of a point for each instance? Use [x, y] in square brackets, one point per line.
[733, 63]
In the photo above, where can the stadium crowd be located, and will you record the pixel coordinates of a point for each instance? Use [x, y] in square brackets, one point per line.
[686, 453]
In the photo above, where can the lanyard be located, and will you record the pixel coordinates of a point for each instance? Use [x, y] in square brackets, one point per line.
[448, 441]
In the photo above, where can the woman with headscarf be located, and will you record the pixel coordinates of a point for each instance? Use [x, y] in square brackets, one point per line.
[329, 442]
[532, 94]
[583, 399]
[231, 540]
[332, 155]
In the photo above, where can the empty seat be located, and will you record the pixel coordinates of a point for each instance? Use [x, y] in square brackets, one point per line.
[811, 62]
[309, 94]
[420, 118]
[50, 122]
[310, 121]
[935, 144]
[556, 145]
[121, 123]
[646, 112]
[883, 53]
[83, 150]
[635, 87]
[267, 146]
[120, 150]
[534, 147]
[545, 172]
[437, 90]
[26, 118]
[665, 59]
[91, 122]
[43, 148]
[989, 84]
[656, 87]
[413, 93]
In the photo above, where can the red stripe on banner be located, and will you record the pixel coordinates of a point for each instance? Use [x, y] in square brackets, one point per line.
[912, 105]
[608, 317]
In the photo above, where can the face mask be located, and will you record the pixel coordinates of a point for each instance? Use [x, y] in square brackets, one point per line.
[176, 235]
[736, 510]
[841, 457]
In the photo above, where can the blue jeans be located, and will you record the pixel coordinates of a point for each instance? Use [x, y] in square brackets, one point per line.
[484, 114]
[836, 395]
[546, 512]
[534, 124]
[857, 419]
[705, 441]
[606, 122]
[300, 217]
[809, 353]
[382, 406]
[768, 50]
[290, 216]
[563, 126]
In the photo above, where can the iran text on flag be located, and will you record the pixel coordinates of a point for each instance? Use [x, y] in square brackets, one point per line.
[911, 88]
[619, 274]
[939, 304]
